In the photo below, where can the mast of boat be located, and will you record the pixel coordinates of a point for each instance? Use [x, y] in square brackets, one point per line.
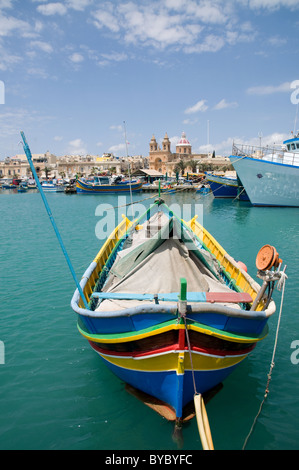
[29, 158]
[128, 168]
[295, 123]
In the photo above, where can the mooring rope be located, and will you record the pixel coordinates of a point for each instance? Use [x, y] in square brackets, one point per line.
[190, 354]
[272, 364]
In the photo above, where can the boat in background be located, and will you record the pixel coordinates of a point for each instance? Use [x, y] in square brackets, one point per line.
[169, 311]
[23, 188]
[106, 185]
[269, 176]
[50, 186]
[226, 187]
[7, 183]
[203, 188]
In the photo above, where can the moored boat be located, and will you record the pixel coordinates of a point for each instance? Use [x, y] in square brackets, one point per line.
[106, 185]
[168, 310]
[269, 176]
[226, 187]
[50, 186]
[23, 188]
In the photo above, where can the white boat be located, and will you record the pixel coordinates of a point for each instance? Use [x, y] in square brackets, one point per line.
[49, 186]
[270, 176]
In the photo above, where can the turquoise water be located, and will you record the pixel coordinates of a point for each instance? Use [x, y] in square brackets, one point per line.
[55, 391]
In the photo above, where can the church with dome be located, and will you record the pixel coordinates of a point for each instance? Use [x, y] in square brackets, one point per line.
[163, 160]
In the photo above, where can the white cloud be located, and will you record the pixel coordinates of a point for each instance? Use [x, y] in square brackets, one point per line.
[274, 4]
[43, 46]
[38, 73]
[52, 9]
[9, 25]
[225, 147]
[76, 58]
[77, 147]
[117, 148]
[7, 59]
[224, 104]
[117, 127]
[106, 18]
[199, 106]
[270, 89]
[79, 5]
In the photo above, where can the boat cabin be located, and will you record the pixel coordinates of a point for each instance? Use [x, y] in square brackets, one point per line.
[292, 145]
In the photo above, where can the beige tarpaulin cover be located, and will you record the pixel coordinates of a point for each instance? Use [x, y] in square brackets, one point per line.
[159, 272]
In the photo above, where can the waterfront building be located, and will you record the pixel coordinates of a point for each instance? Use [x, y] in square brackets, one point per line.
[161, 158]
[50, 166]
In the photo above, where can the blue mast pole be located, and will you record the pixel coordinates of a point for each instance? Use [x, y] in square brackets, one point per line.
[29, 158]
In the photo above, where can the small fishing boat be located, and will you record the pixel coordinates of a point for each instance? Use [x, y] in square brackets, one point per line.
[7, 183]
[50, 186]
[203, 188]
[22, 188]
[169, 311]
[226, 187]
[106, 185]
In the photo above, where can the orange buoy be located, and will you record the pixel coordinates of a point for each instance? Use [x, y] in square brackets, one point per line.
[267, 257]
[242, 265]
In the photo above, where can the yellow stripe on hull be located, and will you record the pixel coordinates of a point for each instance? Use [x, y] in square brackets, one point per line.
[134, 335]
[178, 361]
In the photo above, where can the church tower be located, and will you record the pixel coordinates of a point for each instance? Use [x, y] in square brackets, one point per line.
[159, 156]
[166, 144]
[153, 144]
[183, 147]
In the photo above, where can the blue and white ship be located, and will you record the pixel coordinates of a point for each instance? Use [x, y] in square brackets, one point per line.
[270, 176]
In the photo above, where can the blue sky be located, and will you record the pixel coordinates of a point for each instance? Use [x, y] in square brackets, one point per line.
[74, 71]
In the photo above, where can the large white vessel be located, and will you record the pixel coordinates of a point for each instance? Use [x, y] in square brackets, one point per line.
[270, 176]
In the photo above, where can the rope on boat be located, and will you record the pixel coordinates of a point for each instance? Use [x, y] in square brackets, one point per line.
[272, 364]
[200, 409]
[165, 193]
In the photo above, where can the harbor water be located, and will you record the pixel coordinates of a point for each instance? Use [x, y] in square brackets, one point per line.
[55, 391]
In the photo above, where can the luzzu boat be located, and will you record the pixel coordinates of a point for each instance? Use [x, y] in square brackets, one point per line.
[170, 312]
[105, 185]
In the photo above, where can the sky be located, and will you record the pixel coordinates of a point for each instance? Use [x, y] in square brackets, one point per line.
[89, 77]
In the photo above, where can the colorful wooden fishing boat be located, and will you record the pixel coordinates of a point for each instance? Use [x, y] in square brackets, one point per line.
[170, 312]
[105, 185]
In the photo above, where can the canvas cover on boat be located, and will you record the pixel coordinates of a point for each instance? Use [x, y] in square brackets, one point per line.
[157, 230]
[156, 265]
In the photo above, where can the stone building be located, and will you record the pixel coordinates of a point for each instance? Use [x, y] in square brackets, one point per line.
[163, 160]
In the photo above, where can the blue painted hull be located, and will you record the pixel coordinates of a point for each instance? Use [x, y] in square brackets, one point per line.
[88, 188]
[226, 188]
[175, 390]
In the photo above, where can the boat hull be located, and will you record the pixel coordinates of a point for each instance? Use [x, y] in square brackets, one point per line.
[268, 183]
[226, 188]
[157, 359]
[172, 387]
[152, 341]
[87, 188]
